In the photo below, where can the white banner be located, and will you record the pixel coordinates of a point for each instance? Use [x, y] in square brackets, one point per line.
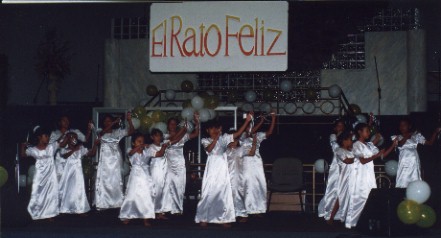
[219, 36]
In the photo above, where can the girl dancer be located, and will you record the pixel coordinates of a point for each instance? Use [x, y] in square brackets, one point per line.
[138, 201]
[409, 161]
[158, 167]
[63, 128]
[108, 185]
[176, 171]
[327, 203]
[254, 181]
[73, 197]
[44, 196]
[216, 203]
[364, 152]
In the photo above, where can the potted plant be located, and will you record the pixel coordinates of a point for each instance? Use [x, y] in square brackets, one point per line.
[53, 62]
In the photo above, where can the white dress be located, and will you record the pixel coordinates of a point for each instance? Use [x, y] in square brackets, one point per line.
[109, 184]
[346, 183]
[73, 197]
[60, 162]
[364, 181]
[44, 196]
[216, 203]
[235, 167]
[409, 162]
[158, 172]
[331, 194]
[174, 188]
[254, 181]
[138, 200]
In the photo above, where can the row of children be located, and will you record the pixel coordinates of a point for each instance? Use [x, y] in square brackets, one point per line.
[351, 173]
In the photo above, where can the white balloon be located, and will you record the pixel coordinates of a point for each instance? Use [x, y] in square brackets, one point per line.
[247, 107]
[361, 118]
[418, 191]
[286, 85]
[204, 115]
[171, 104]
[187, 113]
[170, 94]
[211, 93]
[22, 180]
[380, 141]
[161, 126]
[136, 123]
[290, 108]
[334, 91]
[212, 113]
[31, 171]
[150, 113]
[29, 180]
[250, 96]
[320, 165]
[197, 102]
[125, 170]
[265, 107]
[391, 168]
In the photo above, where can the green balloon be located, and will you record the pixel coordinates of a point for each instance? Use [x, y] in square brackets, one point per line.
[187, 86]
[3, 176]
[158, 116]
[355, 109]
[139, 112]
[409, 212]
[268, 95]
[152, 90]
[186, 103]
[211, 102]
[145, 123]
[428, 217]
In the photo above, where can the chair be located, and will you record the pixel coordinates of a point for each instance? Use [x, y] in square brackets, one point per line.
[286, 177]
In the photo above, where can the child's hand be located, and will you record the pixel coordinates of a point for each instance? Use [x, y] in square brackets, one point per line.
[97, 141]
[196, 117]
[129, 116]
[249, 116]
[90, 126]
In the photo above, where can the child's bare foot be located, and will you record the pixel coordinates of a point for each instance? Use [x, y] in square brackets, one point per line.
[243, 219]
[147, 223]
[125, 222]
[203, 224]
[330, 222]
[161, 216]
[226, 225]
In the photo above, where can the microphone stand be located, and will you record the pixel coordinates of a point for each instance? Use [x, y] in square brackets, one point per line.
[379, 88]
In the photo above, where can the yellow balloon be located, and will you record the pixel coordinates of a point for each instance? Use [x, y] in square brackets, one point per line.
[145, 123]
[158, 116]
[409, 212]
[428, 217]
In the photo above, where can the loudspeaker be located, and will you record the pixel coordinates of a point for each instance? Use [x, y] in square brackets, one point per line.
[379, 216]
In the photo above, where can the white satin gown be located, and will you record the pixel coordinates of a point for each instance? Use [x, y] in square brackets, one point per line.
[174, 188]
[364, 181]
[331, 194]
[44, 196]
[60, 162]
[158, 172]
[109, 183]
[346, 183]
[254, 180]
[139, 197]
[409, 167]
[216, 204]
[235, 167]
[73, 197]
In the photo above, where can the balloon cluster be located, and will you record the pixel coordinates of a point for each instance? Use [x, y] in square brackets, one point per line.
[145, 121]
[412, 210]
[204, 104]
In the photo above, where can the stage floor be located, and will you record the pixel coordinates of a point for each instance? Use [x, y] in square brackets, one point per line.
[106, 224]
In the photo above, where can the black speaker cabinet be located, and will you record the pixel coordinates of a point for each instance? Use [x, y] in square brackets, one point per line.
[379, 216]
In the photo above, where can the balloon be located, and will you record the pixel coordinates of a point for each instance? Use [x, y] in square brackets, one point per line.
[334, 91]
[380, 141]
[310, 94]
[152, 90]
[211, 102]
[125, 170]
[161, 126]
[361, 118]
[186, 103]
[418, 191]
[290, 108]
[212, 113]
[250, 96]
[428, 217]
[31, 171]
[197, 102]
[210, 93]
[268, 95]
[189, 126]
[391, 168]
[187, 86]
[286, 85]
[29, 180]
[204, 115]
[22, 181]
[138, 112]
[171, 104]
[232, 96]
[170, 94]
[158, 116]
[187, 113]
[145, 123]
[320, 165]
[409, 212]
[265, 107]
[3, 176]
[136, 123]
[247, 107]
[355, 109]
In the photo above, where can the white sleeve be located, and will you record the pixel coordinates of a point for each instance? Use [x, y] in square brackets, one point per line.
[80, 135]
[226, 139]
[205, 142]
[420, 139]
